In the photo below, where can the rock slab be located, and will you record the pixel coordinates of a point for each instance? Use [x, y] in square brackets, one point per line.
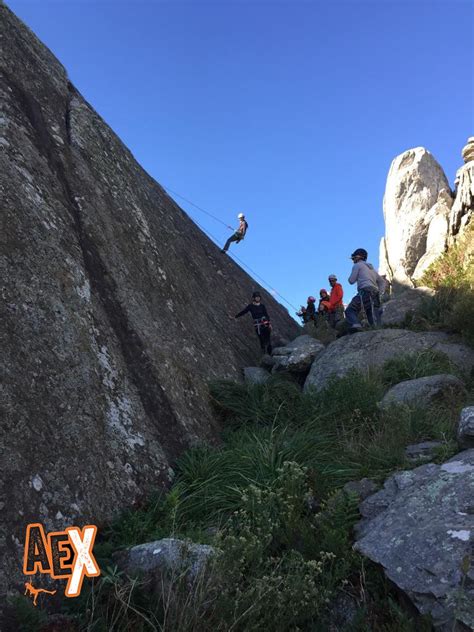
[420, 528]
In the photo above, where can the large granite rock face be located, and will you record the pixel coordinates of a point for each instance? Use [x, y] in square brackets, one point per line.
[416, 194]
[420, 528]
[114, 310]
[373, 348]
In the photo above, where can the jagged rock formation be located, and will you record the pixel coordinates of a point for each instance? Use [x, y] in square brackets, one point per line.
[419, 528]
[463, 207]
[115, 310]
[421, 218]
[416, 189]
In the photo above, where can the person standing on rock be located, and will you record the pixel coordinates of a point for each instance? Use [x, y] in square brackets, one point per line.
[261, 321]
[239, 234]
[309, 312]
[369, 286]
[334, 306]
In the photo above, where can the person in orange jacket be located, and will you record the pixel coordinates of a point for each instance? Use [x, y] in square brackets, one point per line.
[334, 306]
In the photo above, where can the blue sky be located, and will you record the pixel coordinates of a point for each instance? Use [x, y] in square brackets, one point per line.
[290, 112]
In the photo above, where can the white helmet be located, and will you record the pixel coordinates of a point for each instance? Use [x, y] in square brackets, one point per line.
[332, 277]
[240, 216]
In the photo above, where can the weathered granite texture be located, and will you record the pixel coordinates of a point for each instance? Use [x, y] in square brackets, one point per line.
[420, 528]
[373, 348]
[114, 310]
[297, 356]
[413, 197]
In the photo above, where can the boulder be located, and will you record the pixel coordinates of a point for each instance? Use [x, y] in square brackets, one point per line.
[114, 311]
[414, 183]
[373, 348]
[424, 451]
[297, 356]
[405, 303]
[255, 375]
[156, 560]
[424, 391]
[466, 428]
[420, 529]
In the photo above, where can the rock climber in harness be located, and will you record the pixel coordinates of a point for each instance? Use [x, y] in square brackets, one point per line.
[369, 286]
[309, 312]
[239, 234]
[261, 321]
[335, 305]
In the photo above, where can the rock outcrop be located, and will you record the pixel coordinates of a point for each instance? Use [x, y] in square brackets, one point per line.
[424, 391]
[416, 193]
[114, 310]
[420, 528]
[421, 218]
[463, 207]
[373, 348]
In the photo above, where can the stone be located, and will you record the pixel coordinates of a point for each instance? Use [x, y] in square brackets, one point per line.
[297, 356]
[463, 207]
[425, 391]
[398, 308]
[468, 150]
[255, 375]
[154, 560]
[420, 529]
[437, 220]
[414, 183]
[466, 428]
[373, 348]
[363, 488]
[424, 451]
[115, 311]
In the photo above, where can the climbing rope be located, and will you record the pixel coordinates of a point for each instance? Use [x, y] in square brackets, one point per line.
[216, 241]
[196, 206]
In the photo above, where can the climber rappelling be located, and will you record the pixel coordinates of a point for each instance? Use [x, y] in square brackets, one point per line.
[239, 233]
[261, 321]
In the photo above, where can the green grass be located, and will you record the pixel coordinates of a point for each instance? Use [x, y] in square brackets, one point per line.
[270, 499]
[452, 307]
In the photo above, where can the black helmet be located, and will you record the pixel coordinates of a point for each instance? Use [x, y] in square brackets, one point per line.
[360, 252]
[255, 294]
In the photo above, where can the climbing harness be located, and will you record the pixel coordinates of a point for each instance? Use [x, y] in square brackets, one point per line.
[261, 322]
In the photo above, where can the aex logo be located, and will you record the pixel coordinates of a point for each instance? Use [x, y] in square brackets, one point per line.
[61, 554]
